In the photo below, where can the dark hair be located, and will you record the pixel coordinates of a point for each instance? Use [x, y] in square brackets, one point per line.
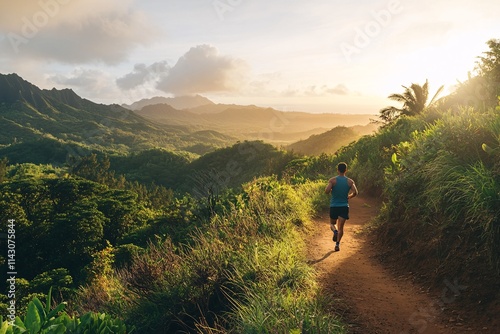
[342, 167]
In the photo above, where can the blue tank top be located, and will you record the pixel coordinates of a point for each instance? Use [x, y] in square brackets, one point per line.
[340, 192]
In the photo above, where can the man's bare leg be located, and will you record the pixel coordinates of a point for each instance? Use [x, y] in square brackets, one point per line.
[332, 224]
[340, 225]
[334, 229]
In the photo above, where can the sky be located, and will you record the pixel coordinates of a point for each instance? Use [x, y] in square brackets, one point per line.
[331, 56]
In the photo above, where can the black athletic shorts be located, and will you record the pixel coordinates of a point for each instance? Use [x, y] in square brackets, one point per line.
[342, 211]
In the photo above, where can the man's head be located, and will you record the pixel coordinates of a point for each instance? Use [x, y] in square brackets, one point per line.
[342, 167]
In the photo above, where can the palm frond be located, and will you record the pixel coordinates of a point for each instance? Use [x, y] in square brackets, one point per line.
[414, 99]
[433, 100]
[389, 114]
[397, 97]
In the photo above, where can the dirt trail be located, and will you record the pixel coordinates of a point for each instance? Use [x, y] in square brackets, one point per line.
[370, 298]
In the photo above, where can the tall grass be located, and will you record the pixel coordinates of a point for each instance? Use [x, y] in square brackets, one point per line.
[443, 201]
[245, 271]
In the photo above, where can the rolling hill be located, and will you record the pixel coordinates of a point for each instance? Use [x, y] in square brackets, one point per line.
[329, 142]
[252, 122]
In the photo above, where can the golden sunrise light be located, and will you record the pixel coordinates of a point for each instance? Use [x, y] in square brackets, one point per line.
[323, 56]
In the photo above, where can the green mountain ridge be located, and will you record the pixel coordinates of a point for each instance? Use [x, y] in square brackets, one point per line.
[55, 120]
[29, 114]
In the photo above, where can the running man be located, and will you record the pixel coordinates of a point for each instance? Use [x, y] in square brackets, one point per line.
[342, 189]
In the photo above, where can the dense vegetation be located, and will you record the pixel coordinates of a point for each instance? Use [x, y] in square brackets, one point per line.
[103, 222]
[167, 241]
[170, 264]
[439, 173]
[244, 269]
[228, 167]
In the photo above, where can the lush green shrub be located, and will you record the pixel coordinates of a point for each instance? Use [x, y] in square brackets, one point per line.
[44, 319]
[443, 197]
[250, 248]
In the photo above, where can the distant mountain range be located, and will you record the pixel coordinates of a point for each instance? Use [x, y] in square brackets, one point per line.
[252, 122]
[60, 117]
[181, 102]
[52, 123]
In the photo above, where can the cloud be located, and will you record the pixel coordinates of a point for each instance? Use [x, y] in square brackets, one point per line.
[318, 91]
[143, 74]
[73, 31]
[340, 89]
[202, 69]
[324, 90]
[78, 78]
[89, 83]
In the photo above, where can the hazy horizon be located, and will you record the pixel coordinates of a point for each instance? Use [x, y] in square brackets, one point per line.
[319, 57]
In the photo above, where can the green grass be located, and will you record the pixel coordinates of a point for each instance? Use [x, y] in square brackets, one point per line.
[244, 271]
[442, 216]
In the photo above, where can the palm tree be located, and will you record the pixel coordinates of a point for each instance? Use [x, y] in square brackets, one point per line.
[414, 101]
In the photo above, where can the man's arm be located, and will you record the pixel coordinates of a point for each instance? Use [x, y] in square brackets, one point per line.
[331, 184]
[354, 191]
